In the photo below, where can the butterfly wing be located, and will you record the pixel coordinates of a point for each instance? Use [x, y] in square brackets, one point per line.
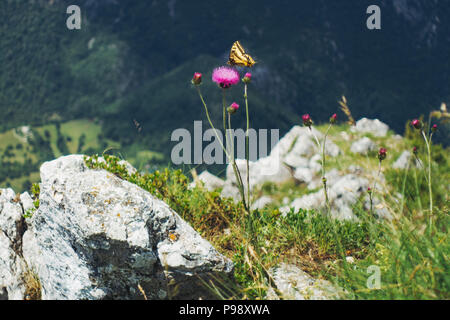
[238, 57]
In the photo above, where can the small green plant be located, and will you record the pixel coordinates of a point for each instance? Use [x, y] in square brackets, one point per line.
[307, 122]
[35, 191]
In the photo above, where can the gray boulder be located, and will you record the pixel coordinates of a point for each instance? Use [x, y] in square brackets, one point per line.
[372, 126]
[268, 169]
[96, 236]
[343, 192]
[363, 146]
[402, 161]
[304, 175]
[210, 181]
[12, 266]
[295, 284]
[261, 202]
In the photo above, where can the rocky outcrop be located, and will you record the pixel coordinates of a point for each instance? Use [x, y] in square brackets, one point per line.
[295, 284]
[96, 236]
[372, 126]
[208, 181]
[343, 192]
[262, 202]
[363, 146]
[12, 265]
[295, 156]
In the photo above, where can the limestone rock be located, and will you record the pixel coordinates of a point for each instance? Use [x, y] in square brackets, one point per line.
[96, 236]
[261, 202]
[12, 266]
[402, 161]
[363, 146]
[210, 181]
[373, 126]
[303, 175]
[295, 284]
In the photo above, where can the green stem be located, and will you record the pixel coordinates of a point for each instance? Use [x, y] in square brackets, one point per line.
[423, 168]
[428, 143]
[210, 122]
[417, 189]
[324, 179]
[405, 177]
[231, 157]
[247, 156]
[375, 182]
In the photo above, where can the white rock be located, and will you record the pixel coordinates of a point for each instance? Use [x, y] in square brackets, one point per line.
[310, 201]
[303, 175]
[295, 284]
[375, 127]
[27, 201]
[332, 176]
[315, 163]
[12, 265]
[96, 236]
[363, 146]
[268, 169]
[210, 181]
[402, 161]
[295, 161]
[261, 202]
[343, 192]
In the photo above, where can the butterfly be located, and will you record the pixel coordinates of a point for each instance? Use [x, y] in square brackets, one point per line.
[238, 57]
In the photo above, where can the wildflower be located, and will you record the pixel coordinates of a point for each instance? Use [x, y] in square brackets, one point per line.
[434, 128]
[307, 121]
[247, 78]
[225, 77]
[369, 190]
[415, 150]
[197, 79]
[233, 108]
[382, 154]
[333, 118]
[416, 124]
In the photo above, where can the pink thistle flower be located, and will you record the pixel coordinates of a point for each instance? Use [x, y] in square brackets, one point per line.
[247, 78]
[416, 124]
[333, 118]
[307, 121]
[225, 77]
[434, 128]
[415, 150]
[233, 108]
[197, 78]
[382, 154]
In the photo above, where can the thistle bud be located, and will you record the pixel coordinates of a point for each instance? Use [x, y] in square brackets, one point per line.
[415, 150]
[233, 108]
[197, 79]
[369, 190]
[434, 128]
[416, 124]
[307, 121]
[382, 154]
[247, 78]
[333, 118]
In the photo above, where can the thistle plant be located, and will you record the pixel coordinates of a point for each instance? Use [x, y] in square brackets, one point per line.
[225, 77]
[307, 122]
[418, 125]
[246, 80]
[382, 153]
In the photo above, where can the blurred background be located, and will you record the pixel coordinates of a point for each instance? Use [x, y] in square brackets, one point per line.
[122, 82]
